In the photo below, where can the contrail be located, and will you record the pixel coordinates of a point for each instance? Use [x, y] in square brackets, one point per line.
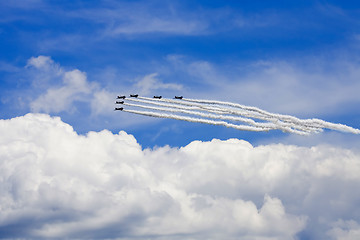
[313, 122]
[236, 105]
[282, 125]
[197, 120]
[237, 112]
[201, 107]
[206, 109]
[241, 112]
[265, 125]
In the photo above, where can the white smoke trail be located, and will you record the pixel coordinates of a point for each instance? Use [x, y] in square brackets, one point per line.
[242, 112]
[316, 123]
[236, 105]
[197, 120]
[187, 106]
[281, 125]
[304, 127]
[282, 122]
[204, 107]
[265, 125]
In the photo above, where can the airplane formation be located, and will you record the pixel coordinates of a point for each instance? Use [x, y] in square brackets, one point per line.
[135, 96]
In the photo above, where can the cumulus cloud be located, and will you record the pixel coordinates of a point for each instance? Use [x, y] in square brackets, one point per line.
[57, 184]
[56, 99]
[61, 89]
[40, 62]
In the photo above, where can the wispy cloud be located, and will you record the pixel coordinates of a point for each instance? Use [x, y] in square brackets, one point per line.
[144, 18]
[150, 83]
[306, 87]
[8, 67]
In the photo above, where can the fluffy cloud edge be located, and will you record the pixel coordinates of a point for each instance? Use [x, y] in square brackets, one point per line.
[56, 183]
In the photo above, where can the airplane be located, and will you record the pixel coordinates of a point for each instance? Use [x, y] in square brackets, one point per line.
[134, 95]
[118, 109]
[158, 97]
[119, 97]
[119, 102]
[176, 97]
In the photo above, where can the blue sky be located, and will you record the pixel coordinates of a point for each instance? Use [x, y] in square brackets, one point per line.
[71, 167]
[297, 57]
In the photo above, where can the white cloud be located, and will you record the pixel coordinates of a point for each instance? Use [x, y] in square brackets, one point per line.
[56, 183]
[314, 86]
[150, 83]
[345, 230]
[75, 87]
[145, 18]
[294, 89]
[40, 62]
[102, 102]
[43, 71]
[150, 24]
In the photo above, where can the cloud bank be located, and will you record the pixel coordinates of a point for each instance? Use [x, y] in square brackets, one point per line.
[56, 184]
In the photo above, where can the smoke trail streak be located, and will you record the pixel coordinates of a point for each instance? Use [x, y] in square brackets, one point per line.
[207, 108]
[197, 120]
[224, 110]
[243, 112]
[303, 127]
[265, 125]
[282, 125]
[185, 106]
[314, 122]
[236, 105]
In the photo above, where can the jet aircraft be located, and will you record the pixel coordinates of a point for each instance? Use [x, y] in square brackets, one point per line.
[134, 95]
[118, 109]
[158, 97]
[180, 97]
[119, 102]
[119, 97]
